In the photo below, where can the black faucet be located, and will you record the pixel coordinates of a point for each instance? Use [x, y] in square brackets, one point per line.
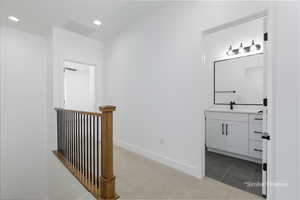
[231, 105]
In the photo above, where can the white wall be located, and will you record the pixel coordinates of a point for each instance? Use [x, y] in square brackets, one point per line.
[285, 99]
[67, 46]
[1, 117]
[23, 115]
[155, 77]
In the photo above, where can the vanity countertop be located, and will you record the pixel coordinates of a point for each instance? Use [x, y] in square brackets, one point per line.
[233, 111]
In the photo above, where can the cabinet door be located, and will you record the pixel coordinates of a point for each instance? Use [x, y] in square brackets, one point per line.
[236, 137]
[214, 137]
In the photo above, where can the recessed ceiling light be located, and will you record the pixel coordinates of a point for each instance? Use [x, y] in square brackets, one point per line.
[13, 18]
[97, 22]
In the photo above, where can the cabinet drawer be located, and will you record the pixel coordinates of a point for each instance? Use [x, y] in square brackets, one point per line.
[255, 149]
[255, 119]
[255, 131]
[227, 116]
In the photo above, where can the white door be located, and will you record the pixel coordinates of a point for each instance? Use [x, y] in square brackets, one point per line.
[215, 133]
[236, 140]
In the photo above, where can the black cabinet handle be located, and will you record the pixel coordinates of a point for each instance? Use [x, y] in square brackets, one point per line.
[222, 129]
[258, 132]
[259, 150]
[226, 129]
[265, 136]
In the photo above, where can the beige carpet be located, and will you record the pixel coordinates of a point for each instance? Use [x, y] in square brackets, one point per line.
[140, 178]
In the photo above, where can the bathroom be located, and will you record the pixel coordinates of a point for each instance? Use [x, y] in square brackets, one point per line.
[235, 123]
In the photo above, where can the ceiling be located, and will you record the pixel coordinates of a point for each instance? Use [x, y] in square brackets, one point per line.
[38, 16]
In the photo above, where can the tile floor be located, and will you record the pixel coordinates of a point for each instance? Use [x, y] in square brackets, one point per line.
[233, 171]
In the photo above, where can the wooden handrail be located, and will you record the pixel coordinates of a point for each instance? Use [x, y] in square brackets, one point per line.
[81, 112]
[77, 139]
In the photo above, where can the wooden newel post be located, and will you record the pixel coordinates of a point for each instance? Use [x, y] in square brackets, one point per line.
[107, 175]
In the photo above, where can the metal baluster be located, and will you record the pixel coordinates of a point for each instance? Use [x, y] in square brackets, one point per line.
[81, 145]
[63, 135]
[64, 132]
[73, 136]
[77, 145]
[94, 138]
[74, 142]
[90, 119]
[78, 134]
[67, 135]
[69, 141]
[97, 132]
[60, 131]
[87, 146]
[84, 149]
[57, 122]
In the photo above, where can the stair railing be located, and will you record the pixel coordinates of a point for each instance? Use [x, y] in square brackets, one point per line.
[86, 150]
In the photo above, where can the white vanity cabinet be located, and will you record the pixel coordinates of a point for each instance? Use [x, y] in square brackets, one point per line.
[236, 138]
[234, 134]
[215, 134]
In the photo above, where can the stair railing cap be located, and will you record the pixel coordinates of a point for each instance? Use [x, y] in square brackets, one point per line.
[108, 108]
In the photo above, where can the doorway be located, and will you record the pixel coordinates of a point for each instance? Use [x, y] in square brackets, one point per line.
[79, 86]
[235, 123]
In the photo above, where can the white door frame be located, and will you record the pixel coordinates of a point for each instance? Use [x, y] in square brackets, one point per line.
[268, 87]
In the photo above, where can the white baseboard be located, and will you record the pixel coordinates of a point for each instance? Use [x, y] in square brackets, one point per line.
[185, 168]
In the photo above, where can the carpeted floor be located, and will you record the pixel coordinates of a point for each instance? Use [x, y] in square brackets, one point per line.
[140, 178]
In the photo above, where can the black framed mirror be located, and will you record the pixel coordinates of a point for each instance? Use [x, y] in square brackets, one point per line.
[239, 80]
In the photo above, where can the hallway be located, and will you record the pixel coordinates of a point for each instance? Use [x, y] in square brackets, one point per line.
[140, 178]
[163, 67]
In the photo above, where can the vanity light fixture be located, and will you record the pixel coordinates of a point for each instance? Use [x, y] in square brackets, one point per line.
[97, 22]
[242, 49]
[13, 18]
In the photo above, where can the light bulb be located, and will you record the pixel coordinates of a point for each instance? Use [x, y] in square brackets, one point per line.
[241, 49]
[229, 52]
[253, 47]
